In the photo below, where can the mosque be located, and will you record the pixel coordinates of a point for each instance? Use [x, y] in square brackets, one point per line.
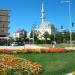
[45, 25]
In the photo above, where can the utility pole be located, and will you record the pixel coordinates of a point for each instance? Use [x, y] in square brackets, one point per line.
[33, 27]
[70, 21]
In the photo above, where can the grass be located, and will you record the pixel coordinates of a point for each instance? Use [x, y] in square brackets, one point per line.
[61, 45]
[53, 63]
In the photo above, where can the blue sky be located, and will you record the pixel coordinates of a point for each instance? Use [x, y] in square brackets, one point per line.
[24, 13]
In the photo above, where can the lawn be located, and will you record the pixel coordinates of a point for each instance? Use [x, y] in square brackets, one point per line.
[53, 63]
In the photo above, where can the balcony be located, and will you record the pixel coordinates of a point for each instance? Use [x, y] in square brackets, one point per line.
[5, 38]
[4, 12]
[4, 28]
[4, 22]
[4, 34]
[4, 15]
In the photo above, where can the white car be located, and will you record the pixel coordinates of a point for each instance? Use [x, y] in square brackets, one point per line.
[14, 44]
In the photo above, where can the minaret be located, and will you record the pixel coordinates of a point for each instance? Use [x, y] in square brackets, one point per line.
[43, 12]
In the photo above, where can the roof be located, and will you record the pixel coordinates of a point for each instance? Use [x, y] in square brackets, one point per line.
[20, 30]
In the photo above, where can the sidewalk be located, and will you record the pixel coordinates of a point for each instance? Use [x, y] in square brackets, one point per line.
[22, 47]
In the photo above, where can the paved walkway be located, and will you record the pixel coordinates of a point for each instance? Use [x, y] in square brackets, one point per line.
[70, 48]
[30, 47]
[11, 47]
[21, 47]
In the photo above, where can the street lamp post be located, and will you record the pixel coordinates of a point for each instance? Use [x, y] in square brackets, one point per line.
[33, 32]
[70, 22]
[33, 36]
[62, 32]
[69, 3]
[29, 39]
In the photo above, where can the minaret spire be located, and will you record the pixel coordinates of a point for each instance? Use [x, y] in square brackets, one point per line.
[43, 12]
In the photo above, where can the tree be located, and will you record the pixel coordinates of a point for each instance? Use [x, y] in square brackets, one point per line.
[52, 38]
[24, 37]
[73, 36]
[66, 36]
[63, 37]
[10, 40]
[35, 35]
[59, 37]
[46, 35]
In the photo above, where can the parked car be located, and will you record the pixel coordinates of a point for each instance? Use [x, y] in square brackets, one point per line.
[14, 44]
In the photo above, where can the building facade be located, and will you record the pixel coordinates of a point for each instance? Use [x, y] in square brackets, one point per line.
[4, 26]
[19, 33]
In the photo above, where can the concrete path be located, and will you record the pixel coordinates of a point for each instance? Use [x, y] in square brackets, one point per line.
[22, 47]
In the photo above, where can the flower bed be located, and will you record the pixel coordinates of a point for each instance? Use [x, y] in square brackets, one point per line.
[6, 51]
[57, 50]
[42, 50]
[33, 49]
[36, 50]
[12, 65]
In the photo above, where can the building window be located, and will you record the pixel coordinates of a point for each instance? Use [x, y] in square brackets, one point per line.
[3, 25]
[0, 25]
[2, 30]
